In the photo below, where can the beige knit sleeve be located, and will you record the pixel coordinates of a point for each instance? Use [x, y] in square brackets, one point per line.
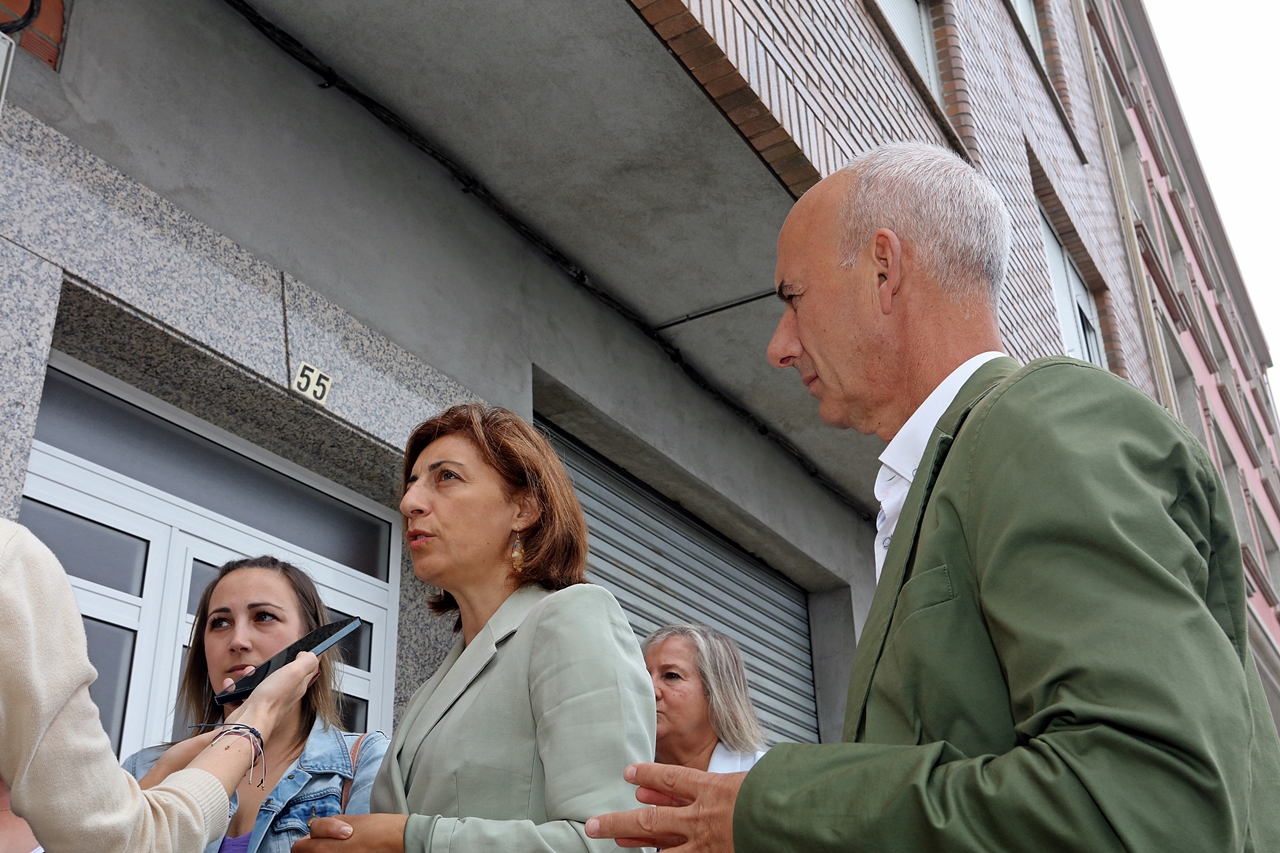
[54, 755]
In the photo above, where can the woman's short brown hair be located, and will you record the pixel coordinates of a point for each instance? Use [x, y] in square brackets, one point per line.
[555, 545]
[322, 699]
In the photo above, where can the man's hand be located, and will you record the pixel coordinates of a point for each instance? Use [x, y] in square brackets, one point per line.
[692, 811]
[371, 833]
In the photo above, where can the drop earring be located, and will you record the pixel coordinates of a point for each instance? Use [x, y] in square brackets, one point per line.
[517, 554]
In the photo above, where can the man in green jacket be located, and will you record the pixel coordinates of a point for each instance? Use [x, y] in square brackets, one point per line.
[1056, 656]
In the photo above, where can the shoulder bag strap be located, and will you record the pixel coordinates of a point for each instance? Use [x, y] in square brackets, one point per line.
[346, 785]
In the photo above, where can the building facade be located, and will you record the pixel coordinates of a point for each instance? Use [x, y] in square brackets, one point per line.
[246, 248]
[1209, 349]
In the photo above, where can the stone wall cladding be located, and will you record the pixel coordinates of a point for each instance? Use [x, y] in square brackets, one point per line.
[824, 71]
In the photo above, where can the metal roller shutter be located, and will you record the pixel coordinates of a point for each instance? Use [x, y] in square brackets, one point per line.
[664, 567]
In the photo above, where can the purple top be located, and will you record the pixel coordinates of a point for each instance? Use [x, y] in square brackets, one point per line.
[239, 844]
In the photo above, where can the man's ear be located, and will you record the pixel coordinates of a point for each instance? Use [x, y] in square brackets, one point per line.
[886, 257]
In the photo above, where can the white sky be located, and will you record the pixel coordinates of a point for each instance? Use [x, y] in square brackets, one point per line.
[1221, 60]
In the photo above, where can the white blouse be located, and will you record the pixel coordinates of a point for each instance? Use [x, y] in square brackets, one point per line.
[725, 760]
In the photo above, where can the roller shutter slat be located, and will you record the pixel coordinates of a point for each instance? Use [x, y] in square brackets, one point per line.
[664, 567]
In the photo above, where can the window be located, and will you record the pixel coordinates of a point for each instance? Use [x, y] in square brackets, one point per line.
[1026, 10]
[1270, 551]
[1077, 311]
[139, 555]
[1232, 479]
[1184, 385]
[912, 23]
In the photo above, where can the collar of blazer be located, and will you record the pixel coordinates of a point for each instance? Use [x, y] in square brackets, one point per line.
[456, 673]
[897, 562]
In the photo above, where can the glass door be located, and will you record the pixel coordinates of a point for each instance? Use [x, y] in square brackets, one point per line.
[139, 560]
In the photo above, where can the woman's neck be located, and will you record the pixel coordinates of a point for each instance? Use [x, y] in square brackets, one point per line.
[286, 739]
[687, 753]
[477, 604]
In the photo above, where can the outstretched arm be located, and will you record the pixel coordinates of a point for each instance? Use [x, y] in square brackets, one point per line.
[54, 754]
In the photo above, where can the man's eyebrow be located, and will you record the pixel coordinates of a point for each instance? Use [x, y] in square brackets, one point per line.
[777, 291]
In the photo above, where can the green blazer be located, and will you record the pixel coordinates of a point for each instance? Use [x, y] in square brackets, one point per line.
[523, 735]
[1056, 656]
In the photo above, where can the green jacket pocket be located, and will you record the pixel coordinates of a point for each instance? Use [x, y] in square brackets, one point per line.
[924, 590]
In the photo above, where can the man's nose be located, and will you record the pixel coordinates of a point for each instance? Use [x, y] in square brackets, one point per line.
[784, 347]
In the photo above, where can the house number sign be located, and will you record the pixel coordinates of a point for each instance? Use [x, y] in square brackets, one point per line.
[312, 382]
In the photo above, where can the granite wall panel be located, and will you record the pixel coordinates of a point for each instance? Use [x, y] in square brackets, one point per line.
[63, 203]
[29, 287]
[375, 382]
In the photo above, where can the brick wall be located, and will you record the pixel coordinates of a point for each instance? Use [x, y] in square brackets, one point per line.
[43, 38]
[825, 71]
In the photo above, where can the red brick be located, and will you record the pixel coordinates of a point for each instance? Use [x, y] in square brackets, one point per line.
[750, 112]
[723, 86]
[794, 163]
[805, 173]
[702, 56]
[799, 189]
[769, 138]
[660, 11]
[777, 152]
[737, 98]
[695, 38]
[759, 125]
[713, 71]
[672, 27]
[37, 45]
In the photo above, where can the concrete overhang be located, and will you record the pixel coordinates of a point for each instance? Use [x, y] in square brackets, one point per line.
[581, 122]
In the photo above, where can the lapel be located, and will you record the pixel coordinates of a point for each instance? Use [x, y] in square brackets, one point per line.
[897, 562]
[459, 669]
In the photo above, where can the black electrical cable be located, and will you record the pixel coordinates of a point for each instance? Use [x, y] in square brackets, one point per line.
[33, 11]
[330, 79]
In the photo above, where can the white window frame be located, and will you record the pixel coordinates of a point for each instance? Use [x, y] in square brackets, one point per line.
[179, 531]
[913, 25]
[1077, 309]
[1030, 22]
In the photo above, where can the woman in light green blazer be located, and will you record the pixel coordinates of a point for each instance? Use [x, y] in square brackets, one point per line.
[524, 731]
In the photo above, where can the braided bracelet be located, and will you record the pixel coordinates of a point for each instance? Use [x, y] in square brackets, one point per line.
[256, 743]
[256, 749]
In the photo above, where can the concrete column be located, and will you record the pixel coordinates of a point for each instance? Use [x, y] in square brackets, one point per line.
[29, 290]
[832, 635]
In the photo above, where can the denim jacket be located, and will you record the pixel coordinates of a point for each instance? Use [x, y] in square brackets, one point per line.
[313, 781]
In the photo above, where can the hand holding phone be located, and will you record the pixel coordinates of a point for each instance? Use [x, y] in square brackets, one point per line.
[317, 642]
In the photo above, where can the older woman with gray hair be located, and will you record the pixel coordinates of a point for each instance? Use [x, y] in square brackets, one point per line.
[705, 717]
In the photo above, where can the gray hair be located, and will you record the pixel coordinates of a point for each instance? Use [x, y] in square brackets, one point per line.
[724, 680]
[944, 208]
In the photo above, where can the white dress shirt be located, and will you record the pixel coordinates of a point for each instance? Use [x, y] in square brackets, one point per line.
[900, 459]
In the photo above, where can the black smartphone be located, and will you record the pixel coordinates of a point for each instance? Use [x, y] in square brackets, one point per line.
[317, 642]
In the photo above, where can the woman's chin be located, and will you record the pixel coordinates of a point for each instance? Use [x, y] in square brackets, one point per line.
[427, 573]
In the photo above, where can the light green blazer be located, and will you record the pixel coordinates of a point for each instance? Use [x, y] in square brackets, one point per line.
[523, 735]
[1056, 657]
